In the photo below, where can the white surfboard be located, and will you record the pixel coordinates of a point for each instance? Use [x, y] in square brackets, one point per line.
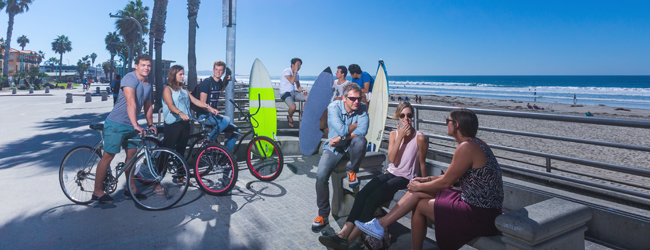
[378, 109]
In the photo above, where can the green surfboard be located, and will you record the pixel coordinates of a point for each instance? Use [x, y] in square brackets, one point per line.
[261, 95]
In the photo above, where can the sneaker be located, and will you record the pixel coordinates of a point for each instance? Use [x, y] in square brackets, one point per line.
[319, 223]
[353, 181]
[333, 241]
[104, 199]
[371, 228]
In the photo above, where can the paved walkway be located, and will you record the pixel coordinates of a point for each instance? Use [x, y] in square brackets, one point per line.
[36, 132]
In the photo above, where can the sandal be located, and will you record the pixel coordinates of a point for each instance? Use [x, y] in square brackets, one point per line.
[290, 121]
[104, 199]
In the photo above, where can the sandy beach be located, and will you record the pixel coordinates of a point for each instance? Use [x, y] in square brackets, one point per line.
[635, 136]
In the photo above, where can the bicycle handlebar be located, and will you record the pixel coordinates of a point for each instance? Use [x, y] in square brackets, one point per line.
[259, 105]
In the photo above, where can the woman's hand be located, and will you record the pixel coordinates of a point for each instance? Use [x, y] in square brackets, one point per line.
[401, 132]
[415, 186]
[184, 117]
[421, 179]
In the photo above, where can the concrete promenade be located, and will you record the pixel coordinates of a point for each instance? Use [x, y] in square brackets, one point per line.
[37, 131]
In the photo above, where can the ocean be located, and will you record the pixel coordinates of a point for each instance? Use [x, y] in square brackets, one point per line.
[613, 91]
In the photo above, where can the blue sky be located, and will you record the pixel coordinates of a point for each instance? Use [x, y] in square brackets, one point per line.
[412, 37]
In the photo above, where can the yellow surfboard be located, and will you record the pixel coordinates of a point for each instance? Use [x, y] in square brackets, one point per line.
[261, 95]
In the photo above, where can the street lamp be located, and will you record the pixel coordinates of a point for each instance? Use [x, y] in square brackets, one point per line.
[139, 27]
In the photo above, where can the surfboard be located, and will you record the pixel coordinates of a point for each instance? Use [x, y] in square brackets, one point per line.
[321, 94]
[261, 94]
[378, 109]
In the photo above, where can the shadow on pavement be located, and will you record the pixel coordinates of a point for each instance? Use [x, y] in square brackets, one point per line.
[47, 150]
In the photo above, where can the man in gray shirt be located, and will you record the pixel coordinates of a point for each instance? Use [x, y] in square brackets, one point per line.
[122, 123]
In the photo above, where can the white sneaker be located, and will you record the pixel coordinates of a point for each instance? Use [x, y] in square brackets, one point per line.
[371, 228]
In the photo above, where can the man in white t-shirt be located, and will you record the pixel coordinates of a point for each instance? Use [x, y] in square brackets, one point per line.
[337, 94]
[288, 92]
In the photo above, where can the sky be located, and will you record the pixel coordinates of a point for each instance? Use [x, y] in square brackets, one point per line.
[412, 37]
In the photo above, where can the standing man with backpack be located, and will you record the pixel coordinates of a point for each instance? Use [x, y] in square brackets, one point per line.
[115, 87]
[209, 91]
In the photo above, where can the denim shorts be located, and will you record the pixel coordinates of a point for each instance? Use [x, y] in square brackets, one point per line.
[116, 135]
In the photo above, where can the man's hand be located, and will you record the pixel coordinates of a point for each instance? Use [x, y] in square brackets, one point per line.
[140, 130]
[334, 141]
[213, 110]
[352, 127]
[155, 130]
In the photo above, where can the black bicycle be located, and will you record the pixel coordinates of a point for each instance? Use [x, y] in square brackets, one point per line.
[217, 170]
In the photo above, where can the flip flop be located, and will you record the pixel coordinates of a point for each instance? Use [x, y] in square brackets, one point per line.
[290, 122]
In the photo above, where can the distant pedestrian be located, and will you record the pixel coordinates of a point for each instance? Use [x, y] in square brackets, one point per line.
[406, 98]
[85, 84]
[420, 99]
[115, 87]
[575, 101]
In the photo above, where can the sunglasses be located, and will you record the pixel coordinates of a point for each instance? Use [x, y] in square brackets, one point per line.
[409, 115]
[353, 99]
[447, 120]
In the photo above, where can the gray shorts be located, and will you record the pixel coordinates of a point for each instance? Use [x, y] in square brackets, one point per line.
[290, 97]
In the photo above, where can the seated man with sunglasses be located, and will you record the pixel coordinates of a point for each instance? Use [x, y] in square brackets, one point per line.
[347, 120]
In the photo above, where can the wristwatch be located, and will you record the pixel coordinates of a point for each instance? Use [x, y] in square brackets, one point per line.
[149, 125]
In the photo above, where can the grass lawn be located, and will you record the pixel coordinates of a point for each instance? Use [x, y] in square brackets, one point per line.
[66, 85]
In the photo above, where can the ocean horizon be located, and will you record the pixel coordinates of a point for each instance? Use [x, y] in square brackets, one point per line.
[626, 91]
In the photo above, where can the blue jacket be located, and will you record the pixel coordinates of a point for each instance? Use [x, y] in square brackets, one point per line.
[338, 122]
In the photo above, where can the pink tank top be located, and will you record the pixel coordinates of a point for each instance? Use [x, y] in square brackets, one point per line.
[407, 160]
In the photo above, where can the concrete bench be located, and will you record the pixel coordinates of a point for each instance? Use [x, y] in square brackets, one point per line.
[551, 224]
[342, 196]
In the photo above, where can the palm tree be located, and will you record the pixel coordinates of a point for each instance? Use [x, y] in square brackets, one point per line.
[42, 56]
[128, 29]
[158, 29]
[93, 56]
[61, 45]
[82, 66]
[22, 41]
[110, 41]
[13, 8]
[52, 61]
[192, 12]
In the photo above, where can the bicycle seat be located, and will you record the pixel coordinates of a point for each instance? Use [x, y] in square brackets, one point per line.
[97, 126]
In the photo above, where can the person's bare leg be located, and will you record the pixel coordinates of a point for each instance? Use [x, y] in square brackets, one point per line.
[423, 210]
[346, 230]
[292, 109]
[100, 174]
[130, 152]
[403, 207]
[356, 232]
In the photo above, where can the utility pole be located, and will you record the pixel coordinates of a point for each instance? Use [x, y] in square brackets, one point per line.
[229, 21]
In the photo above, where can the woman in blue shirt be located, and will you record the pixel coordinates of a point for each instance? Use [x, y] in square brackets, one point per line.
[176, 109]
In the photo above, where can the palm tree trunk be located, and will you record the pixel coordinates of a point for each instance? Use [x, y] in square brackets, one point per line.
[193, 10]
[161, 17]
[111, 69]
[60, 65]
[5, 64]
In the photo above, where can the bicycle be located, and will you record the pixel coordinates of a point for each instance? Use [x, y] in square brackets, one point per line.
[155, 174]
[264, 158]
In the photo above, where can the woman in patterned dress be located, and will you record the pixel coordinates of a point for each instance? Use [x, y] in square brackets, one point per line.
[459, 215]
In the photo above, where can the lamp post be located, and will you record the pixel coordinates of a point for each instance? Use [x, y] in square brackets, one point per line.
[23, 57]
[139, 28]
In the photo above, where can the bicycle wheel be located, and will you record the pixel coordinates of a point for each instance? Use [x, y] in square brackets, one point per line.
[264, 158]
[220, 171]
[160, 183]
[195, 143]
[77, 173]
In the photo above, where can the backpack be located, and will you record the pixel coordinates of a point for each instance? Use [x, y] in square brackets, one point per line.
[371, 243]
[196, 92]
[116, 87]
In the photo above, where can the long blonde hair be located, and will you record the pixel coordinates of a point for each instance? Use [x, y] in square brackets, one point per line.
[171, 77]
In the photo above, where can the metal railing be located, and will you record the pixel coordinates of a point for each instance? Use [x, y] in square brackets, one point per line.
[417, 122]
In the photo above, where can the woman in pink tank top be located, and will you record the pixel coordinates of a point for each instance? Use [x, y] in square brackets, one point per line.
[407, 150]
